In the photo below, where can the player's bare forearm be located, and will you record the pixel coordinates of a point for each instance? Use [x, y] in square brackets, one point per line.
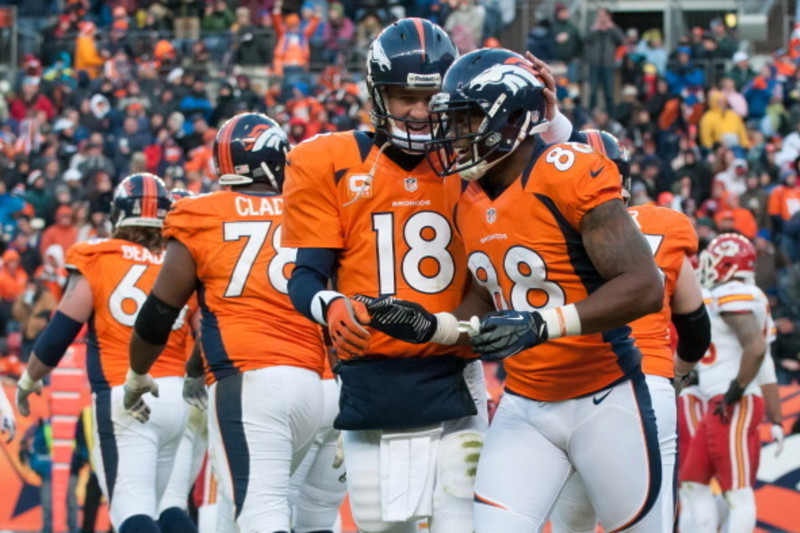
[619, 252]
[143, 354]
[194, 366]
[754, 346]
[37, 369]
[772, 401]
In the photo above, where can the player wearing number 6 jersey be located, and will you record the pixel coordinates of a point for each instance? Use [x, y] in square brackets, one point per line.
[108, 285]
[264, 360]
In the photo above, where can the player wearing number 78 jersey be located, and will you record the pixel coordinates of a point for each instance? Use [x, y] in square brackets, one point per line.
[264, 360]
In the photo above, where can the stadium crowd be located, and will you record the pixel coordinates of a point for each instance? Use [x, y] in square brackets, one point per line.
[118, 87]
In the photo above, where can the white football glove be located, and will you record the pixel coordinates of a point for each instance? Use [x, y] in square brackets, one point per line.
[25, 387]
[777, 435]
[195, 393]
[136, 386]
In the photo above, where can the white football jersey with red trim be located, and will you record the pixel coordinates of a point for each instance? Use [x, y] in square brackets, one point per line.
[721, 363]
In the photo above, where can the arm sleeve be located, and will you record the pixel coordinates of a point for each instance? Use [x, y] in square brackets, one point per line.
[313, 269]
[694, 334]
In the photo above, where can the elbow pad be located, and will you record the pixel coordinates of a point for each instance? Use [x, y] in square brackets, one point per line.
[694, 334]
[56, 338]
[155, 320]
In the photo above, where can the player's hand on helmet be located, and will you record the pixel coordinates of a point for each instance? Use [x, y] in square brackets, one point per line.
[724, 408]
[506, 333]
[546, 74]
[136, 386]
[776, 430]
[346, 319]
[401, 319]
[195, 393]
[25, 387]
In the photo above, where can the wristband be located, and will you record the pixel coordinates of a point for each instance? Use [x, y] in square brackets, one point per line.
[446, 329]
[558, 130]
[320, 303]
[562, 321]
[134, 380]
[25, 382]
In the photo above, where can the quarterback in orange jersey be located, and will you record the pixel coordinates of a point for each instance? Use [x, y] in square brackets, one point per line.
[550, 243]
[368, 215]
[264, 360]
[673, 241]
[108, 284]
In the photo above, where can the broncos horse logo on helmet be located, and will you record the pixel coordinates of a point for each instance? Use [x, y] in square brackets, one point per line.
[140, 200]
[251, 148]
[412, 53]
[491, 101]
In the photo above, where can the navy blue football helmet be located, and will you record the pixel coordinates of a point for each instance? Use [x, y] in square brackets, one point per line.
[251, 148]
[491, 100]
[608, 145]
[177, 193]
[140, 200]
[412, 53]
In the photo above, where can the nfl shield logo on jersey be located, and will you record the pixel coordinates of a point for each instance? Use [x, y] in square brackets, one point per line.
[411, 184]
[491, 215]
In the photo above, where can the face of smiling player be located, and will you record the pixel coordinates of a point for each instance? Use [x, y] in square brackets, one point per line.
[408, 112]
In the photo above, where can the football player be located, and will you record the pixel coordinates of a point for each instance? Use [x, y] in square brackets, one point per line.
[553, 249]
[368, 213]
[726, 444]
[108, 284]
[264, 359]
[673, 242]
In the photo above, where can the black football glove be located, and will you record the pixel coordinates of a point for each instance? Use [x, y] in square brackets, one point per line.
[401, 319]
[505, 333]
[724, 409]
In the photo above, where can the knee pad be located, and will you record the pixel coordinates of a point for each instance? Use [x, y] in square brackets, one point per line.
[176, 520]
[139, 523]
[458, 463]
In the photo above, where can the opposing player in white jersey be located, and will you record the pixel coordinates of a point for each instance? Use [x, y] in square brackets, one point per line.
[726, 445]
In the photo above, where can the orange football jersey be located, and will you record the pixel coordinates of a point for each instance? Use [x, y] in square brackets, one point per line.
[394, 235]
[121, 275]
[672, 238]
[525, 248]
[247, 321]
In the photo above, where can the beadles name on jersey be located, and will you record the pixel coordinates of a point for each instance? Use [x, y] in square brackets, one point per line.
[121, 275]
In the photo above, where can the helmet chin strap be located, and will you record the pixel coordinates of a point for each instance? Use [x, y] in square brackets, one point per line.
[270, 176]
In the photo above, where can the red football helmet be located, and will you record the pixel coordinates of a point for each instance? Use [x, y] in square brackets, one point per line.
[728, 256]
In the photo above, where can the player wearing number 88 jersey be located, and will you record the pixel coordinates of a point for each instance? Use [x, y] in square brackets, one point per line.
[559, 258]
[263, 359]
